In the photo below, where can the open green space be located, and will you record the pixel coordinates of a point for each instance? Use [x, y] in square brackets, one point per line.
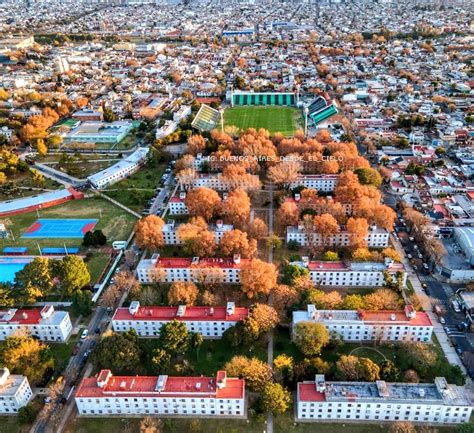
[136, 190]
[282, 424]
[113, 221]
[21, 185]
[274, 119]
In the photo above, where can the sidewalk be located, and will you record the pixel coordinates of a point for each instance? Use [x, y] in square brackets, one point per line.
[425, 302]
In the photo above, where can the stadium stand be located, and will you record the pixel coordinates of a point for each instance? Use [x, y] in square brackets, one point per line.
[251, 98]
[15, 251]
[206, 118]
[320, 110]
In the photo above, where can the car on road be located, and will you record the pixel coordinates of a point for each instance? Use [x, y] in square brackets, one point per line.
[411, 239]
[459, 351]
[425, 265]
[97, 330]
[442, 321]
[409, 256]
[456, 306]
[84, 334]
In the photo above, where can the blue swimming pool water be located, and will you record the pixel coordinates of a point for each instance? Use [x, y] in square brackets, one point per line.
[8, 269]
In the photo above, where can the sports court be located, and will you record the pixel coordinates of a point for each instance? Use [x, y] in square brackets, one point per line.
[59, 228]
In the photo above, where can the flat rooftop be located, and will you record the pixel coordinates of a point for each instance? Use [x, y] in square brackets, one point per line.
[191, 314]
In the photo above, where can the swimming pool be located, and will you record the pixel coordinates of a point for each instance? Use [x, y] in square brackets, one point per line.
[9, 266]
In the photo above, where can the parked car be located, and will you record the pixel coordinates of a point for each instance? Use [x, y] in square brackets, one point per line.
[442, 321]
[84, 334]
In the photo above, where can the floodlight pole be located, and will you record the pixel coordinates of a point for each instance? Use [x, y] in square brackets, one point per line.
[13, 236]
[222, 120]
[39, 248]
[306, 121]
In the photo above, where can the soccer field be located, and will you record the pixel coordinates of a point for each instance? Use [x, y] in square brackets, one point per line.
[275, 119]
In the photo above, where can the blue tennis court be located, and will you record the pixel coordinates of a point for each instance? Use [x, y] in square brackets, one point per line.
[59, 228]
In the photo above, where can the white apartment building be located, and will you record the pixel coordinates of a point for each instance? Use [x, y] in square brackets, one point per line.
[15, 392]
[172, 269]
[218, 182]
[170, 232]
[352, 325]
[320, 182]
[438, 403]
[376, 238]
[210, 322]
[46, 324]
[122, 169]
[352, 274]
[177, 205]
[163, 395]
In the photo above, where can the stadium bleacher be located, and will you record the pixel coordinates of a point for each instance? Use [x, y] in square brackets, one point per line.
[251, 98]
[320, 110]
[206, 118]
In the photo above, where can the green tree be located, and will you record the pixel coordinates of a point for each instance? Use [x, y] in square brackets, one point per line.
[28, 294]
[27, 414]
[255, 372]
[291, 272]
[275, 398]
[330, 256]
[389, 371]
[160, 359]
[350, 367]
[54, 141]
[118, 352]
[109, 115]
[6, 295]
[82, 302]
[36, 273]
[72, 273]
[369, 176]
[174, 337]
[310, 337]
[353, 302]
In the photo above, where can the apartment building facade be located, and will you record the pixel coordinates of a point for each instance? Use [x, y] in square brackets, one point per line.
[170, 232]
[210, 322]
[209, 397]
[320, 182]
[438, 403]
[352, 325]
[45, 323]
[15, 392]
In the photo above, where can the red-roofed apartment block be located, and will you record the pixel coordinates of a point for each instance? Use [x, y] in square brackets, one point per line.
[210, 322]
[172, 269]
[352, 325]
[44, 323]
[352, 274]
[163, 395]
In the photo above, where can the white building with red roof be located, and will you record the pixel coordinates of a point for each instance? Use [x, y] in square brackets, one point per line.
[218, 182]
[170, 232]
[210, 322]
[163, 395]
[424, 403]
[352, 325]
[195, 269]
[15, 392]
[177, 205]
[44, 323]
[376, 238]
[320, 182]
[351, 274]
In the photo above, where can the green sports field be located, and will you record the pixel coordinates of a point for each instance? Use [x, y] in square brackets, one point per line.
[275, 119]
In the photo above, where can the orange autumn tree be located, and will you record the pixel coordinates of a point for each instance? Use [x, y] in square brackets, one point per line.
[258, 278]
[148, 232]
[202, 202]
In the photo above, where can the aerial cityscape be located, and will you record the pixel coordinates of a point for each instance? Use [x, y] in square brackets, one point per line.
[236, 216]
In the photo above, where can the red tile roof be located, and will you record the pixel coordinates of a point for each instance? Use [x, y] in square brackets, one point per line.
[421, 318]
[192, 314]
[22, 316]
[327, 266]
[307, 392]
[144, 386]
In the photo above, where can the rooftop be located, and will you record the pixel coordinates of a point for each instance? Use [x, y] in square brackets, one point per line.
[160, 386]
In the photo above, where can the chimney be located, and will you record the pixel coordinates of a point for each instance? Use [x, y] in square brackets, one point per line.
[236, 259]
[410, 312]
[103, 378]
[311, 311]
[219, 224]
[47, 311]
[154, 258]
[134, 307]
[230, 308]
[4, 374]
[320, 382]
[181, 311]
[297, 197]
[221, 379]
[182, 195]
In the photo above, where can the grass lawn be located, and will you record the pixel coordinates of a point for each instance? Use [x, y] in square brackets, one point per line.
[135, 191]
[96, 264]
[21, 185]
[275, 119]
[282, 424]
[115, 223]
